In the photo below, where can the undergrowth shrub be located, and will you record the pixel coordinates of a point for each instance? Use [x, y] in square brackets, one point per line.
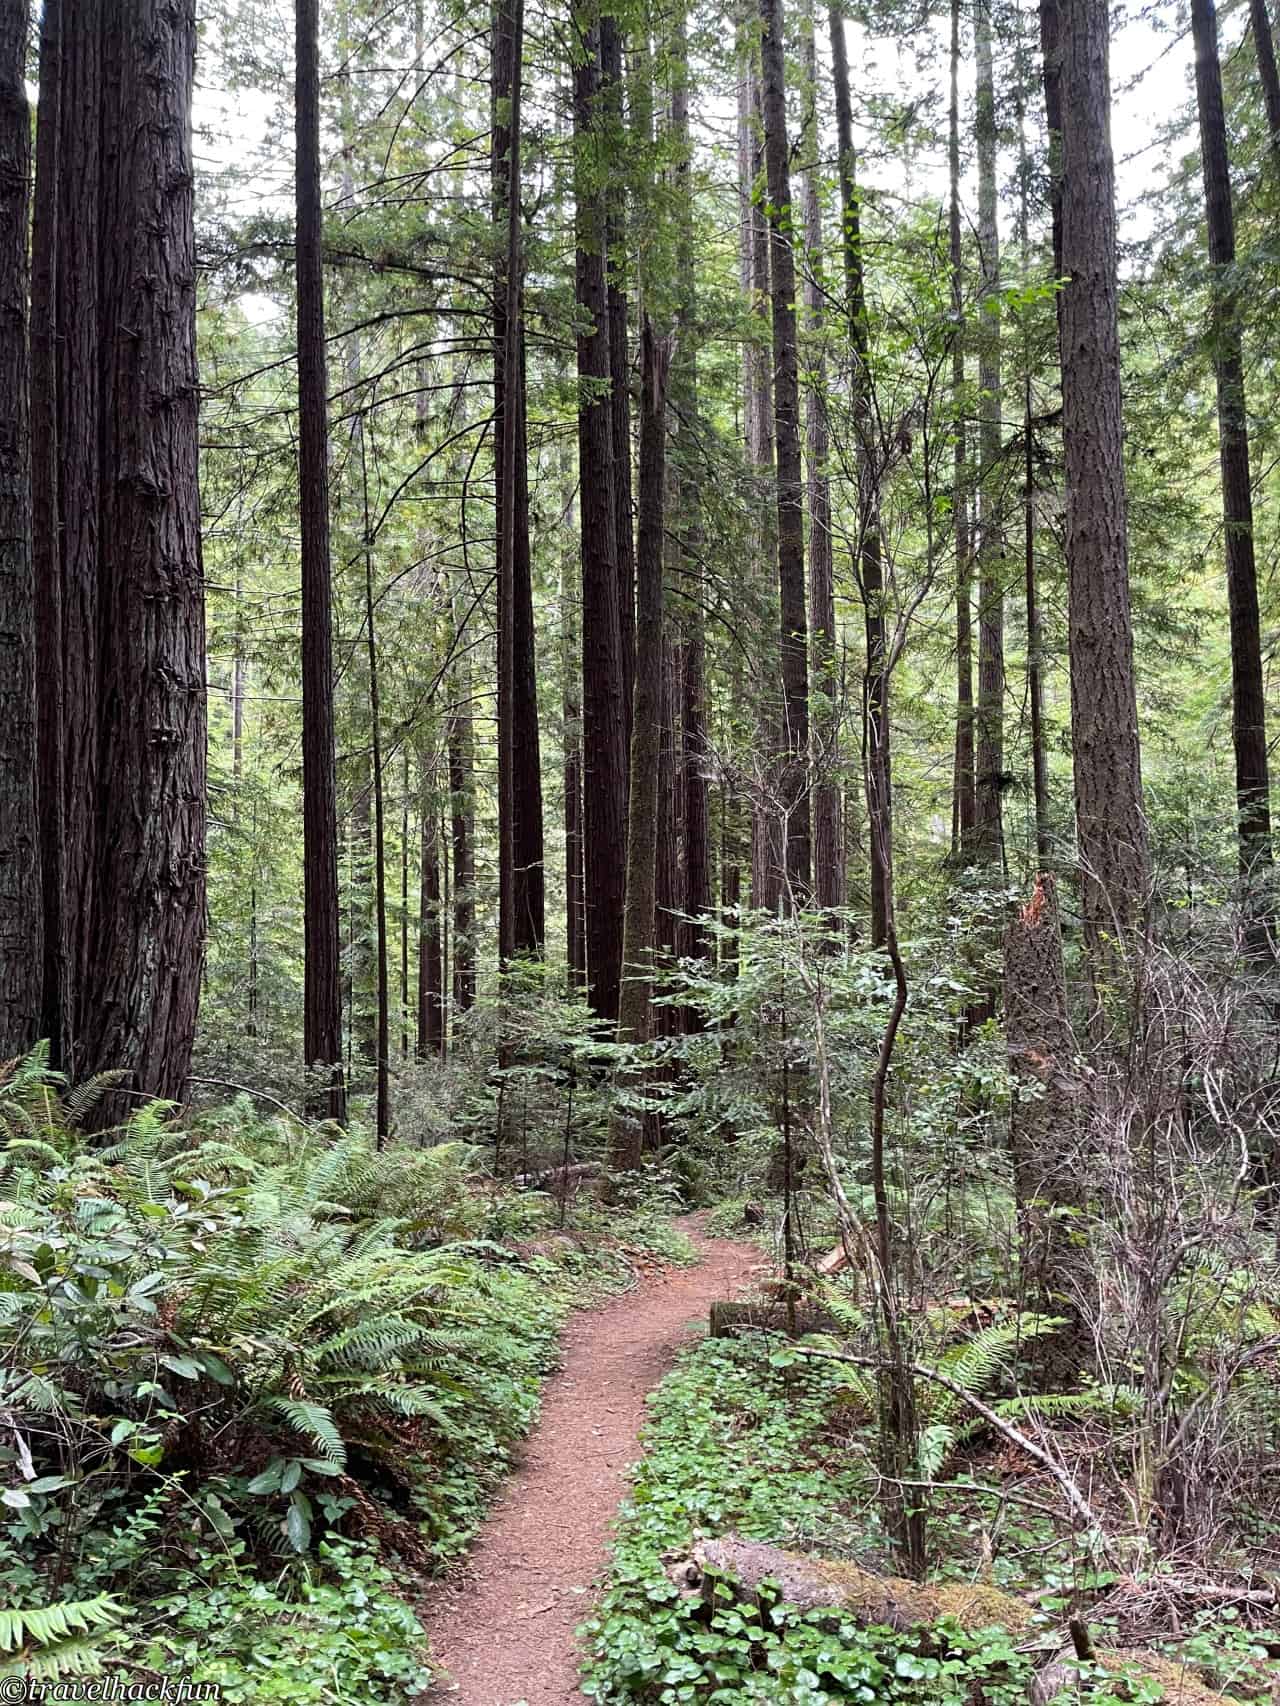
[734, 1443]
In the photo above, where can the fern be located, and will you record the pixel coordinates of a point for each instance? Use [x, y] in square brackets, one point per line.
[312, 1422]
[49, 1641]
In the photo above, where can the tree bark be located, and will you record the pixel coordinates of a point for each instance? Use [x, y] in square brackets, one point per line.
[1226, 342]
[462, 830]
[790, 474]
[614, 119]
[604, 712]
[963, 805]
[21, 912]
[431, 1010]
[828, 868]
[79, 200]
[638, 937]
[521, 924]
[143, 991]
[870, 563]
[1264, 49]
[1110, 824]
[322, 997]
[57, 995]
[571, 713]
[989, 761]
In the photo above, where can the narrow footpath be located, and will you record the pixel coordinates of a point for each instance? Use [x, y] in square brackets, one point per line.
[504, 1629]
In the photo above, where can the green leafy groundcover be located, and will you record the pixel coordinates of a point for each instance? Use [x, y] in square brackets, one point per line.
[733, 1443]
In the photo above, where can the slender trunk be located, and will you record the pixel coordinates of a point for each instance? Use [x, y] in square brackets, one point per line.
[322, 1017]
[521, 912]
[382, 1050]
[1035, 642]
[1264, 51]
[627, 1128]
[462, 813]
[828, 872]
[790, 474]
[143, 994]
[604, 714]
[404, 908]
[430, 918]
[57, 991]
[1110, 824]
[1248, 694]
[963, 805]
[989, 760]
[683, 503]
[571, 712]
[613, 116]
[21, 916]
[870, 564]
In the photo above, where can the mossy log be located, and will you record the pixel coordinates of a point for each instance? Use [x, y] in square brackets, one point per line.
[893, 1602]
[729, 1318]
[815, 1583]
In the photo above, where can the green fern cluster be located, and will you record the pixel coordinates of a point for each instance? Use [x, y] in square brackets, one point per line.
[51, 1641]
[171, 1303]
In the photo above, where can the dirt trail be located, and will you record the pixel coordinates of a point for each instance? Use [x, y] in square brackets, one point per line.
[504, 1631]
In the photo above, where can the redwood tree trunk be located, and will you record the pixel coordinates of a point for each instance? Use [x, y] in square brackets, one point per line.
[1264, 49]
[322, 1012]
[1110, 824]
[611, 109]
[1248, 696]
[21, 920]
[431, 1034]
[989, 760]
[870, 566]
[604, 713]
[627, 1128]
[790, 473]
[520, 879]
[963, 805]
[57, 995]
[828, 868]
[143, 991]
[79, 199]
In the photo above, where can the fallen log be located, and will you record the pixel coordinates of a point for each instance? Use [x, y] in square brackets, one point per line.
[811, 1584]
[755, 1570]
[730, 1318]
[558, 1178]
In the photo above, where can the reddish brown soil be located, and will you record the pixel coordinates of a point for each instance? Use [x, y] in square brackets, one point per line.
[504, 1631]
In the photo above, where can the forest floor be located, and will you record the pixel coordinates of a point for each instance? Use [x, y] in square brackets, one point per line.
[502, 1629]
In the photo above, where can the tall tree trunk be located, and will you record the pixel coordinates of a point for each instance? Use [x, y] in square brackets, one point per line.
[57, 991]
[614, 118]
[79, 200]
[571, 713]
[683, 503]
[1110, 824]
[989, 762]
[828, 870]
[144, 991]
[521, 909]
[461, 747]
[21, 913]
[604, 713]
[431, 1038]
[627, 1129]
[963, 804]
[382, 991]
[766, 831]
[870, 563]
[1248, 694]
[1264, 50]
[790, 473]
[322, 997]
